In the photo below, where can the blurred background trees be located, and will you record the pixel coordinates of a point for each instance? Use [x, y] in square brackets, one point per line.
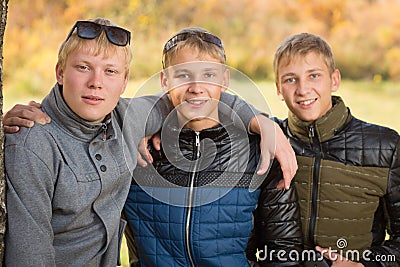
[364, 34]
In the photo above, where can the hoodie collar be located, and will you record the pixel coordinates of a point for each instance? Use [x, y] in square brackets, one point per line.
[56, 107]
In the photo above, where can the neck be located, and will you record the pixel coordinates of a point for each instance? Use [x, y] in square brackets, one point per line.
[201, 124]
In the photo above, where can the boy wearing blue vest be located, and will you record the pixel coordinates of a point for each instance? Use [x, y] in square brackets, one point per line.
[199, 201]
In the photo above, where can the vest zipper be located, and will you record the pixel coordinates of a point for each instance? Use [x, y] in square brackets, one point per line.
[196, 156]
[317, 148]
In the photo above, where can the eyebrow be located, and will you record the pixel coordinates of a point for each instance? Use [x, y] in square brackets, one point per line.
[191, 70]
[314, 69]
[307, 71]
[287, 75]
[180, 70]
[208, 69]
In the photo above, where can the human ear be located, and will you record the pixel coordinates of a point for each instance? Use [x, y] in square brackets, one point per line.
[278, 91]
[335, 80]
[225, 81]
[164, 81]
[125, 82]
[59, 74]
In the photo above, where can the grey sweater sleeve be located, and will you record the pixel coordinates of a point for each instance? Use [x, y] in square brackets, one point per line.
[29, 236]
[239, 111]
[144, 115]
[241, 108]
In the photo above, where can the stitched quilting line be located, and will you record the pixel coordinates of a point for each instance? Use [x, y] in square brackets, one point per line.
[343, 186]
[345, 170]
[350, 186]
[338, 219]
[343, 202]
[349, 202]
[354, 172]
[340, 236]
[343, 219]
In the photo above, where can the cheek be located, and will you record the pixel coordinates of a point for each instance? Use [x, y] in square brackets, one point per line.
[282, 94]
[177, 95]
[176, 102]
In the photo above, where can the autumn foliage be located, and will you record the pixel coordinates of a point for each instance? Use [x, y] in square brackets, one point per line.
[364, 34]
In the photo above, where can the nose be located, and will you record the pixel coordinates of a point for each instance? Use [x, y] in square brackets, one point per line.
[96, 80]
[196, 87]
[303, 87]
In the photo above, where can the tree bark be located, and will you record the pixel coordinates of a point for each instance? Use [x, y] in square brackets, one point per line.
[3, 20]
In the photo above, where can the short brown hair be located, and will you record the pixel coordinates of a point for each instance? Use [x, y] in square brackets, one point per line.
[302, 44]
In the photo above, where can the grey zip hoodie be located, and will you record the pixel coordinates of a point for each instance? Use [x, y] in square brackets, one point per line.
[67, 183]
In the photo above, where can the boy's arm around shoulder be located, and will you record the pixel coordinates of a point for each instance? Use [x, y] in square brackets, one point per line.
[145, 113]
[277, 224]
[155, 108]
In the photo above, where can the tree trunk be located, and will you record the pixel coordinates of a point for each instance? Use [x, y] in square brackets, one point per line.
[3, 20]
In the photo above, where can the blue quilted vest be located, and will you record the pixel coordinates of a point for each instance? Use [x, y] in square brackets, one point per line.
[183, 213]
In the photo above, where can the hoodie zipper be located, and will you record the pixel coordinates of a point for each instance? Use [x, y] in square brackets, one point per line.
[104, 134]
[317, 148]
[196, 156]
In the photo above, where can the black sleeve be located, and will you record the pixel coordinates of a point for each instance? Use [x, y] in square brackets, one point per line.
[387, 252]
[277, 227]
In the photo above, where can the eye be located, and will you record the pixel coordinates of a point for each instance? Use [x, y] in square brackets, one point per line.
[209, 75]
[111, 71]
[182, 76]
[314, 75]
[290, 80]
[82, 67]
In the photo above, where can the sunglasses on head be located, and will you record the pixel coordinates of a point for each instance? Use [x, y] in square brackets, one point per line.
[91, 30]
[180, 37]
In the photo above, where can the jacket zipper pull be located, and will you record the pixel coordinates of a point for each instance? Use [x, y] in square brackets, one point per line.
[104, 135]
[197, 143]
[311, 133]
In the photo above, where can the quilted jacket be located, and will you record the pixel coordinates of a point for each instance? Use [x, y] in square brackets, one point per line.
[198, 211]
[348, 184]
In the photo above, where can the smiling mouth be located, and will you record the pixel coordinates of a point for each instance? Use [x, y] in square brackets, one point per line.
[196, 101]
[307, 102]
[95, 98]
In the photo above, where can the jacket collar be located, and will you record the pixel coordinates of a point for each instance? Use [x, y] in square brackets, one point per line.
[326, 126]
[54, 105]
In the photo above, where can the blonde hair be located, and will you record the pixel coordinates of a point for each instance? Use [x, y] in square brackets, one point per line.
[194, 41]
[102, 46]
[303, 44]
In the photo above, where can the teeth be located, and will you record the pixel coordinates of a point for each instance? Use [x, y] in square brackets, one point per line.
[307, 102]
[196, 102]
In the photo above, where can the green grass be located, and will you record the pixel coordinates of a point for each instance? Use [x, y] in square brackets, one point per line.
[124, 254]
